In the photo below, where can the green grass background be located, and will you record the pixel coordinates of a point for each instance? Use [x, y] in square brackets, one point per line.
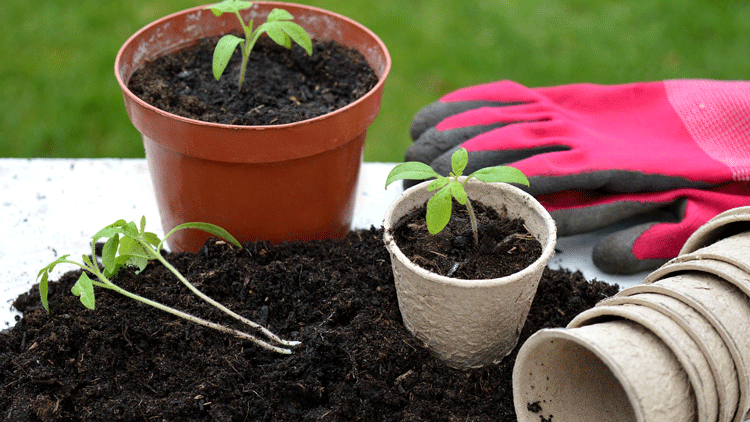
[59, 97]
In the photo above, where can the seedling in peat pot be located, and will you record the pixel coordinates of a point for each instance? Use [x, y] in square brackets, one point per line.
[448, 187]
[278, 26]
[129, 245]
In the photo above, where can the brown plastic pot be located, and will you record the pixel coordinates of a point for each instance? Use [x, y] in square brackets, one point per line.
[285, 182]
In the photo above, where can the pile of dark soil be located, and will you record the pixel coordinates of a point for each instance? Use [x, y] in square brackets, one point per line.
[126, 361]
[280, 85]
[504, 245]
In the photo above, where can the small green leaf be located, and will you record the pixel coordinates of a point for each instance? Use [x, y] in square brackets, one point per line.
[277, 34]
[458, 192]
[87, 260]
[279, 15]
[85, 289]
[439, 210]
[109, 252]
[51, 266]
[298, 35]
[151, 238]
[44, 291]
[110, 230]
[228, 6]
[143, 224]
[411, 170]
[223, 52]
[133, 254]
[459, 159]
[438, 183]
[504, 174]
[207, 227]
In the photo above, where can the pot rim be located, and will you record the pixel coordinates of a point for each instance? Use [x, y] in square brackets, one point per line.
[378, 86]
[547, 250]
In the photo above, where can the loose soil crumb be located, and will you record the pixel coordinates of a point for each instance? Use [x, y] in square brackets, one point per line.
[128, 362]
[280, 86]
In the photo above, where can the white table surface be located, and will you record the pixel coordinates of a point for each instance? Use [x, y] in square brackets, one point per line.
[51, 207]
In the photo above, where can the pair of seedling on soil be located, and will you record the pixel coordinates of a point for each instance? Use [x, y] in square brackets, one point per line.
[129, 245]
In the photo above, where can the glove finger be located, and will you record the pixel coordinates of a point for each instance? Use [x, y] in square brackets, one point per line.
[501, 91]
[578, 212]
[432, 114]
[457, 129]
[433, 142]
[614, 254]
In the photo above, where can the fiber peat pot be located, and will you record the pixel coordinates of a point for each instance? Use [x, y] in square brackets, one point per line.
[469, 323]
[294, 181]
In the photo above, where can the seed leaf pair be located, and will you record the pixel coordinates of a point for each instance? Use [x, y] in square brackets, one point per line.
[440, 205]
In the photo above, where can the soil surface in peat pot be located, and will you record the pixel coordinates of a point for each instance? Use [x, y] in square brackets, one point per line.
[280, 86]
[126, 361]
[504, 245]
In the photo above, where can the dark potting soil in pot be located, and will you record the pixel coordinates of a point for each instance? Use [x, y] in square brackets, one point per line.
[505, 245]
[280, 86]
[126, 361]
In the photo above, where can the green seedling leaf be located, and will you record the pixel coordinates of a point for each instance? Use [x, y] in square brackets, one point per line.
[458, 192]
[110, 230]
[411, 170]
[298, 35]
[504, 174]
[109, 254]
[43, 283]
[44, 290]
[206, 227]
[133, 254]
[151, 238]
[277, 15]
[459, 160]
[277, 34]
[438, 183]
[85, 289]
[229, 6]
[439, 210]
[223, 53]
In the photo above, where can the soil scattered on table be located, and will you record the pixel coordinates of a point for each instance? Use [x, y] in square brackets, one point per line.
[505, 245]
[280, 86]
[128, 362]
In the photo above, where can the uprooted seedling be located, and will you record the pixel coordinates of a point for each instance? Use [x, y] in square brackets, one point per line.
[130, 245]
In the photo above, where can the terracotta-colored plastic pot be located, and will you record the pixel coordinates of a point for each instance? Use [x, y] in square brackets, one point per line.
[469, 323]
[285, 182]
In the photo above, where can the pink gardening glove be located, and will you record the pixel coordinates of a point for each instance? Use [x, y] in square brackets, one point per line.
[661, 142]
[649, 243]
[639, 137]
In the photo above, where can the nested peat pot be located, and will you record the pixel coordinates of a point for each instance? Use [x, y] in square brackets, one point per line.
[293, 181]
[469, 323]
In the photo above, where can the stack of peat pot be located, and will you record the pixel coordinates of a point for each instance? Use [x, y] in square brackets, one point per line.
[674, 348]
